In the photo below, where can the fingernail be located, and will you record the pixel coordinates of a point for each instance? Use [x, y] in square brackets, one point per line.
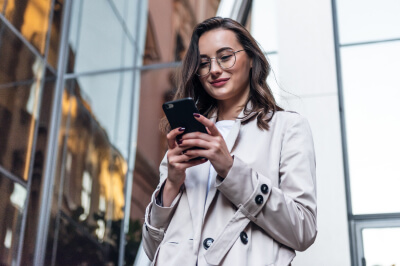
[180, 141]
[196, 115]
[181, 129]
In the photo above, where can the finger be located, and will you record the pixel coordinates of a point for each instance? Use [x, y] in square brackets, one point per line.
[197, 135]
[194, 153]
[171, 136]
[194, 162]
[179, 159]
[189, 143]
[208, 123]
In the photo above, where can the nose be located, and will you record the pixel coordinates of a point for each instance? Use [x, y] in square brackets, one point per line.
[215, 68]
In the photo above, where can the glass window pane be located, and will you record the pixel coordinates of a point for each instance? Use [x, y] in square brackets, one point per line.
[99, 38]
[92, 171]
[17, 121]
[12, 203]
[108, 99]
[371, 96]
[263, 24]
[381, 246]
[368, 20]
[17, 62]
[31, 18]
[55, 34]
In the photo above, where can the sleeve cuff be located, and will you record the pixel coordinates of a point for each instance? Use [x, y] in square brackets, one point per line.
[159, 216]
[245, 188]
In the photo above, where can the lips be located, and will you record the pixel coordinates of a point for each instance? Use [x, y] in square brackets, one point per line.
[219, 82]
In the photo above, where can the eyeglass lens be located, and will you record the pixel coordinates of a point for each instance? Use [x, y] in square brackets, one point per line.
[226, 59]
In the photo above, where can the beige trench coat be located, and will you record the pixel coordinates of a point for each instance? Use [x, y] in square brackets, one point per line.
[258, 215]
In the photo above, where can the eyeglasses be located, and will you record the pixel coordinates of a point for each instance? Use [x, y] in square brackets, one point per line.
[226, 59]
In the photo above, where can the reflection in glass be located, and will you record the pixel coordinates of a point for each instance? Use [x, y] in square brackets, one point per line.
[31, 19]
[97, 45]
[55, 33]
[371, 96]
[381, 246]
[17, 122]
[108, 98]
[12, 203]
[368, 20]
[17, 62]
[93, 176]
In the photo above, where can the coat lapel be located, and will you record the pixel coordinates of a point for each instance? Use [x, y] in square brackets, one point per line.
[196, 184]
[230, 142]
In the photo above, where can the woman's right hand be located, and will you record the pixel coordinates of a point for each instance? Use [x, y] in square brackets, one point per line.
[177, 165]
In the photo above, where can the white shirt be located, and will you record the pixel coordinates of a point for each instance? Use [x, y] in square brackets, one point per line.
[224, 127]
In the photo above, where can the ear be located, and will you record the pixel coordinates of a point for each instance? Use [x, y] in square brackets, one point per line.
[251, 63]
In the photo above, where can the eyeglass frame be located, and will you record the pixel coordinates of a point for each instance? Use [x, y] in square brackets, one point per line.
[209, 68]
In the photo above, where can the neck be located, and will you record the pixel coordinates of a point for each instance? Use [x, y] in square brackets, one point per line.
[230, 109]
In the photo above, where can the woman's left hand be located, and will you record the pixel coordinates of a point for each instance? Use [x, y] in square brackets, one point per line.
[213, 144]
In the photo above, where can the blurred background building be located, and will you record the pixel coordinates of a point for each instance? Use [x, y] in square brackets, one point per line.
[81, 88]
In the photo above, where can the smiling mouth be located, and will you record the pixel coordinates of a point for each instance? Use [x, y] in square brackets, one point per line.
[219, 82]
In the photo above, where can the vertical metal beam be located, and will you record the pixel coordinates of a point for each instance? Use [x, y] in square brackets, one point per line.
[52, 144]
[353, 248]
[141, 24]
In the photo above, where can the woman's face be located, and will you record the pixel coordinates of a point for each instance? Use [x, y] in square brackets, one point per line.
[227, 85]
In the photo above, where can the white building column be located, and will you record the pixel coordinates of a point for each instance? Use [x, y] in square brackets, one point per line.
[307, 70]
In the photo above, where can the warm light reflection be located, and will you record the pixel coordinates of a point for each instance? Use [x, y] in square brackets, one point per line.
[31, 18]
[95, 169]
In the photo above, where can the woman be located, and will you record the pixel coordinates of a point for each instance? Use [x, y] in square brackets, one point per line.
[252, 199]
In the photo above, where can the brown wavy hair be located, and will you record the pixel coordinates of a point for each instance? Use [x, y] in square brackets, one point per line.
[261, 97]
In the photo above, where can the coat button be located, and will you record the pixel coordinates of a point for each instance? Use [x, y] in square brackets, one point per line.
[264, 188]
[244, 238]
[259, 199]
[207, 242]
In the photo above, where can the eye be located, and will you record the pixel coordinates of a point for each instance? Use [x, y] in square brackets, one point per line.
[225, 57]
[204, 64]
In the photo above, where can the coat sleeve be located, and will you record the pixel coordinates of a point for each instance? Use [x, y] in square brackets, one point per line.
[157, 218]
[287, 213]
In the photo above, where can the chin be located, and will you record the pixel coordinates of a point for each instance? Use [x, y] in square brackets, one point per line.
[219, 95]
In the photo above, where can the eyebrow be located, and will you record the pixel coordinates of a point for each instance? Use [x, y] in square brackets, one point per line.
[218, 51]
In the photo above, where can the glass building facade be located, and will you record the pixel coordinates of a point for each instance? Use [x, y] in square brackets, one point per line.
[78, 154]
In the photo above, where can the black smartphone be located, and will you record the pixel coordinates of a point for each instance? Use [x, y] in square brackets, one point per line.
[180, 114]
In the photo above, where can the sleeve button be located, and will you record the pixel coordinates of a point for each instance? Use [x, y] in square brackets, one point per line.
[244, 238]
[259, 199]
[264, 188]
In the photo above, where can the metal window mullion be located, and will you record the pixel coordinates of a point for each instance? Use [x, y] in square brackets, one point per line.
[369, 42]
[352, 239]
[133, 125]
[61, 186]
[52, 145]
[12, 177]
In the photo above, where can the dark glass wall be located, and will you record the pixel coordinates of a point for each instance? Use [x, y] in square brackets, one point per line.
[81, 88]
